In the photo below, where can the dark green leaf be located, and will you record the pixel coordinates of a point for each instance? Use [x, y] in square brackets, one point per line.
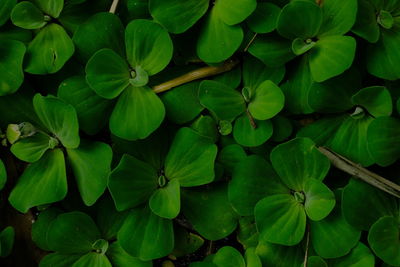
[245, 134]
[166, 201]
[120, 258]
[32, 148]
[233, 12]
[11, 58]
[264, 18]
[376, 99]
[6, 7]
[28, 16]
[6, 241]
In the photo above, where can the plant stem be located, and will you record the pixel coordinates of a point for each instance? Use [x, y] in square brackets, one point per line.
[307, 245]
[114, 6]
[195, 75]
[251, 119]
[365, 175]
[251, 41]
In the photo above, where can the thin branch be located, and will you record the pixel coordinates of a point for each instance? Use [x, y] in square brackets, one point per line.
[365, 175]
[251, 41]
[114, 6]
[307, 246]
[251, 119]
[195, 75]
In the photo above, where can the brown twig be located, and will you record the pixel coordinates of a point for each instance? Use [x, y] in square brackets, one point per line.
[195, 75]
[251, 119]
[114, 6]
[365, 175]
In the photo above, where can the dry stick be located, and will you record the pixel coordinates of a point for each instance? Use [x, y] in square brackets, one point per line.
[356, 170]
[251, 119]
[195, 75]
[114, 6]
[251, 41]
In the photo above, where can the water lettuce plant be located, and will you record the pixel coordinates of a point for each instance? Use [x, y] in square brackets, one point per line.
[225, 133]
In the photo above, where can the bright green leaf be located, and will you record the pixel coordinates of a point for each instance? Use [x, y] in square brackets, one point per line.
[166, 201]
[233, 12]
[338, 16]
[32, 148]
[320, 200]
[264, 18]
[52, 8]
[245, 134]
[28, 16]
[376, 99]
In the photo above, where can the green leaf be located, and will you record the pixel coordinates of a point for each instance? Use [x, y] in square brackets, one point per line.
[272, 50]
[366, 25]
[280, 256]
[32, 148]
[41, 183]
[59, 118]
[107, 73]
[228, 257]
[182, 104]
[6, 7]
[363, 204]
[253, 178]
[245, 135]
[233, 12]
[72, 232]
[186, 242]
[90, 163]
[280, 220]
[247, 232]
[178, 16]
[102, 30]
[93, 111]
[316, 261]
[92, 259]
[217, 40]
[166, 201]
[6, 241]
[291, 23]
[139, 232]
[206, 126]
[264, 18]
[251, 258]
[222, 100]
[267, 101]
[320, 200]
[12, 75]
[190, 159]
[3, 174]
[383, 138]
[120, 258]
[203, 208]
[148, 46]
[376, 99]
[231, 155]
[255, 73]
[59, 260]
[283, 128]
[297, 161]
[132, 182]
[383, 58]
[384, 239]
[28, 16]
[41, 225]
[49, 51]
[138, 113]
[331, 56]
[338, 16]
[301, 46]
[52, 8]
[360, 256]
[333, 237]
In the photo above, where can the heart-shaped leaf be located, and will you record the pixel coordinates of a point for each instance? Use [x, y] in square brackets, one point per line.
[32, 148]
[72, 232]
[338, 16]
[297, 161]
[148, 46]
[178, 16]
[233, 12]
[291, 23]
[383, 139]
[49, 51]
[141, 229]
[320, 200]
[264, 18]
[222, 100]
[280, 219]
[59, 118]
[132, 182]
[91, 163]
[228, 257]
[138, 113]
[245, 134]
[166, 201]
[107, 73]
[52, 8]
[331, 56]
[376, 99]
[11, 72]
[42, 182]
[28, 16]
[190, 159]
[267, 101]
[384, 239]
